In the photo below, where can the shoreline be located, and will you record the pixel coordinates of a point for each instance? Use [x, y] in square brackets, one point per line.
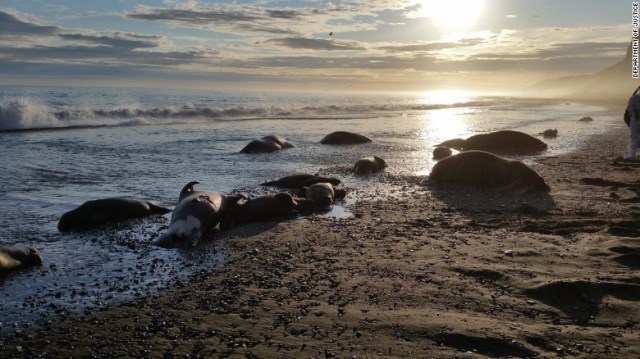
[434, 272]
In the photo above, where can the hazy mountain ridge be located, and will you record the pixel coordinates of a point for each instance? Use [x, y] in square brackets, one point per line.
[613, 84]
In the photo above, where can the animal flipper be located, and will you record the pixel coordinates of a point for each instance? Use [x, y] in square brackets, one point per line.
[187, 189]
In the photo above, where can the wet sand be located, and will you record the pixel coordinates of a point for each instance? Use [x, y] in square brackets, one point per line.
[431, 272]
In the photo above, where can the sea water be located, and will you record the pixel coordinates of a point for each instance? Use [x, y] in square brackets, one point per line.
[60, 147]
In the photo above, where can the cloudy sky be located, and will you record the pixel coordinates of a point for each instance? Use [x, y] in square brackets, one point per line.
[388, 45]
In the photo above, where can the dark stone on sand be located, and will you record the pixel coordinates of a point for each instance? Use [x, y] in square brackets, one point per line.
[480, 168]
[344, 138]
[550, 133]
[586, 119]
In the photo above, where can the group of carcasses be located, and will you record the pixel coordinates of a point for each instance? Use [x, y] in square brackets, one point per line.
[198, 213]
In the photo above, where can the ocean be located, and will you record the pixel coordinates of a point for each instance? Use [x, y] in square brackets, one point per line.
[63, 146]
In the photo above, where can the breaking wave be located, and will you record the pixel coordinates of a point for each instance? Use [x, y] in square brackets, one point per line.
[24, 114]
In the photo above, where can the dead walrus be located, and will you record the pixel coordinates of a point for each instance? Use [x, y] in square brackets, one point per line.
[107, 210]
[267, 144]
[481, 168]
[263, 208]
[300, 180]
[505, 141]
[14, 258]
[322, 194]
[344, 138]
[441, 152]
[368, 165]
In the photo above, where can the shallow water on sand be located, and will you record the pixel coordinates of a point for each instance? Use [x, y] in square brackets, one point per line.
[44, 173]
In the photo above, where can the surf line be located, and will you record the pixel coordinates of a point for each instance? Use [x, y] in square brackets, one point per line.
[635, 19]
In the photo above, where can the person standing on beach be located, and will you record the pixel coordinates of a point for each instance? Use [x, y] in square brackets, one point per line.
[633, 108]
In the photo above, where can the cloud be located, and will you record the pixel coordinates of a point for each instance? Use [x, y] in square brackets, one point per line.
[431, 46]
[107, 55]
[561, 50]
[381, 5]
[12, 24]
[316, 44]
[252, 20]
[255, 53]
[79, 47]
[248, 19]
[422, 63]
[118, 39]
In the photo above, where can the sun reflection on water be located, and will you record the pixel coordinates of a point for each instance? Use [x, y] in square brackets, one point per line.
[438, 126]
[451, 121]
[444, 124]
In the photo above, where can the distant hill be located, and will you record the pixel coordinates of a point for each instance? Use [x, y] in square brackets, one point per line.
[613, 84]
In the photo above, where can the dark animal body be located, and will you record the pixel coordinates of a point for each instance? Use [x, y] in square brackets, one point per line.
[505, 141]
[369, 165]
[107, 210]
[267, 144]
[300, 180]
[14, 258]
[258, 209]
[485, 169]
[344, 138]
[195, 216]
[455, 143]
[441, 152]
[322, 194]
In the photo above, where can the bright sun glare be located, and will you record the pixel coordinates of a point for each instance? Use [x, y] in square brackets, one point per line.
[445, 97]
[452, 15]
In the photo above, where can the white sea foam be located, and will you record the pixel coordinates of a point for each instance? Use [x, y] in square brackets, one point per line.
[23, 114]
[27, 114]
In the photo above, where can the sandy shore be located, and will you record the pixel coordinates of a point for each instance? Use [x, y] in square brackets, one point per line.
[433, 272]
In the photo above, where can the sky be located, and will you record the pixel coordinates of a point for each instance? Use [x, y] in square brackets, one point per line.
[356, 45]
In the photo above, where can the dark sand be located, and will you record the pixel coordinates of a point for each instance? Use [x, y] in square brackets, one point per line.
[432, 272]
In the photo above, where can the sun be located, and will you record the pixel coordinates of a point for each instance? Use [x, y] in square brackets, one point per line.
[451, 15]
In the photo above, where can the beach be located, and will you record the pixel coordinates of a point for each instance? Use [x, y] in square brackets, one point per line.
[427, 271]
[483, 206]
